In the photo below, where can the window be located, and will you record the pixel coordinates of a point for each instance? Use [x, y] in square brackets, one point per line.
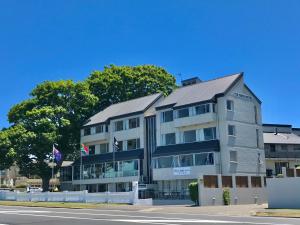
[119, 125]
[256, 181]
[92, 150]
[272, 148]
[103, 148]
[241, 181]
[163, 162]
[227, 181]
[210, 181]
[297, 147]
[167, 116]
[169, 139]
[99, 129]
[255, 114]
[209, 133]
[257, 138]
[183, 112]
[189, 136]
[99, 170]
[133, 144]
[134, 123]
[229, 105]
[231, 130]
[233, 156]
[204, 159]
[186, 160]
[87, 131]
[284, 147]
[201, 109]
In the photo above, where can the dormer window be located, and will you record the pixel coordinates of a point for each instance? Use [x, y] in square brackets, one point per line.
[167, 116]
[183, 112]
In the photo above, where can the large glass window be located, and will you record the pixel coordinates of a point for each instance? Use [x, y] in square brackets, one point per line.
[99, 170]
[99, 128]
[201, 109]
[103, 148]
[183, 112]
[119, 125]
[134, 122]
[133, 144]
[272, 147]
[170, 139]
[167, 116]
[189, 136]
[164, 162]
[209, 133]
[204, 159]
[186, 160]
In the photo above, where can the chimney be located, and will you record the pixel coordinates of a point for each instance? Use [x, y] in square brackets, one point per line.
[191, 81]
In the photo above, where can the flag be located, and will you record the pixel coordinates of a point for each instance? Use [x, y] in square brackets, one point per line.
[84, 150]
[115, 145]
[57, 156]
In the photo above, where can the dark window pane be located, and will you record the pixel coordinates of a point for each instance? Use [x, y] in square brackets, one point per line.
[201, 109]
[209, 133]
[92, 150]
[119, 125]
[183, 112]
[87, 131]
[170, 139]
[99, 129]
[189, 136]
[134, 123]
[167, 116]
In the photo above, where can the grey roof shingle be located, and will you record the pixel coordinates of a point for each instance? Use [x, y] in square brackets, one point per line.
[281, 138]
[199, 92]
[123, 108]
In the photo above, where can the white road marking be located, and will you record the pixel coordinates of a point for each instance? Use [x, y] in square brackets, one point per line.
[166, 221]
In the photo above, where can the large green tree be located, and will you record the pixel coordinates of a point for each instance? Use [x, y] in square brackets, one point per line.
[54, 114]
[121, 83]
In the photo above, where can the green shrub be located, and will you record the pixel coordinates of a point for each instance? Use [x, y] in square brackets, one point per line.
[193, 189]
[226, 197]
[279, 175]
[3, 186]
[21, 186]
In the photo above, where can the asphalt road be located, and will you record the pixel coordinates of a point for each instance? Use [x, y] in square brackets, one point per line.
[45, 216]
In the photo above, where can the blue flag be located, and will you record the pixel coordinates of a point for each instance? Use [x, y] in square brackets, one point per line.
[56, 155]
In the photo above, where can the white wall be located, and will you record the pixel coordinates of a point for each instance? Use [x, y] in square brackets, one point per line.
[284, 192]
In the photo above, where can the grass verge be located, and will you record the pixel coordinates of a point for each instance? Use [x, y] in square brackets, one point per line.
[70, 205]
[280, 213]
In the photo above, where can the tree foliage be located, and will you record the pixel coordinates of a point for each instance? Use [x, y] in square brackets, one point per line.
[121, 83]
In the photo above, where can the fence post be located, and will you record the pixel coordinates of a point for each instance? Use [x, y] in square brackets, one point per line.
[200, 190]
[135, 194]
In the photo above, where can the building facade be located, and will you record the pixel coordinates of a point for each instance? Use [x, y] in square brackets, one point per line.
[282, 148]
[202, 128]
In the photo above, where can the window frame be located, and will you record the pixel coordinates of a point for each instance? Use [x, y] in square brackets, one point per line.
[116, 125]
[231, 105]
[184, 132]
[180, 110]
[163, 116]
[234, 130]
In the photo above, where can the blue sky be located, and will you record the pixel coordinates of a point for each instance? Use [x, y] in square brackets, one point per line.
[53, 40]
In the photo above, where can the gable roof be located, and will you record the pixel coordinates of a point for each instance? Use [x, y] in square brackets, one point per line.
[200, 92]
[138, 105]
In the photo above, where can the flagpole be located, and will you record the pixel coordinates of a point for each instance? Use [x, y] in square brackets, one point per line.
[81, 170]
[52, 166]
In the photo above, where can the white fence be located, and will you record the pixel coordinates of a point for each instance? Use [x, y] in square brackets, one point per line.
[71, 196]
[284, 192]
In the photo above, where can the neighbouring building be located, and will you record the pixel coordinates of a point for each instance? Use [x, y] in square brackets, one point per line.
[203, 128]
[282, 148]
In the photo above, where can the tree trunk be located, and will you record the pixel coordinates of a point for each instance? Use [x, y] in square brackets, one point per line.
[45, 183]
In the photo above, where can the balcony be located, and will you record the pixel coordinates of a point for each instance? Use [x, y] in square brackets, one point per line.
[194, 120]
[95, 137]
[286, 155]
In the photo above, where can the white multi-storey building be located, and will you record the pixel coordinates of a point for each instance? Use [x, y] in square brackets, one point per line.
[202, 128]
